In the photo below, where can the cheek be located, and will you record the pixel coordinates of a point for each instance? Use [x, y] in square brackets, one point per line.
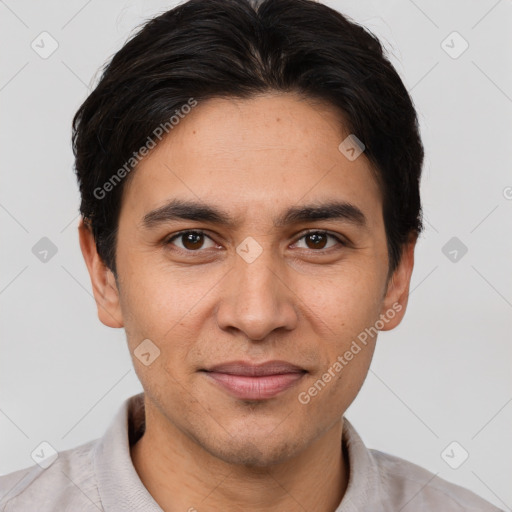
[343, 310]
[331, 390]
[156, 297]
[344, 304]
[170, 309]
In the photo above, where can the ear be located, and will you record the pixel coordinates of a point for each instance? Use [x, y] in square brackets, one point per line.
[104, 286]
[397, 292]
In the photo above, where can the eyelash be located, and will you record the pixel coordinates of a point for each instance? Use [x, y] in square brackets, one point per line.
[198, 231]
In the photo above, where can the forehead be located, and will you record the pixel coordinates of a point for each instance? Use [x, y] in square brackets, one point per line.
[253, 156]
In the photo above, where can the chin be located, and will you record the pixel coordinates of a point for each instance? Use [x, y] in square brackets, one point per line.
[256, 451]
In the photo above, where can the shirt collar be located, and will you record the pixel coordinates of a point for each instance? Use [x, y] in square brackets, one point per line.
[121, 489]
[119, 485]
[364, 490]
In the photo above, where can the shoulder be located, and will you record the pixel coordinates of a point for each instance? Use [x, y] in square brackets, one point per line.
[69, 483]
[419, 489]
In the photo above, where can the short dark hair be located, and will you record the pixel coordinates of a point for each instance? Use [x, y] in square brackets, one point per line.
[205, 49]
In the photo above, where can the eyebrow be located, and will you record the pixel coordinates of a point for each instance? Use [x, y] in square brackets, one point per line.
[178, 209]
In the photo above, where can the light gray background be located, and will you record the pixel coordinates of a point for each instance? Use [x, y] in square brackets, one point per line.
[444, 374]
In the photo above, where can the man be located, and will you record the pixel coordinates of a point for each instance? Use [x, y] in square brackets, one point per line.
[250, 207]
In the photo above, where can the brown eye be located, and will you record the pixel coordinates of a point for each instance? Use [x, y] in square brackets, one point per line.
[190, 240]
[318, 240]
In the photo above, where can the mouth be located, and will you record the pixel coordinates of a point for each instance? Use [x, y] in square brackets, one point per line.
[249, 381]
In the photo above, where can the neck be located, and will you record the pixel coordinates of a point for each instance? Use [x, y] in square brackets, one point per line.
[181, 475]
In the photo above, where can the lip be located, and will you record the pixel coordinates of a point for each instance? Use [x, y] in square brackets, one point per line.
[250, 381]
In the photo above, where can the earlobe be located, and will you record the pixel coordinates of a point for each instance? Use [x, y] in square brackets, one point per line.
[104, 286]
[397, 293]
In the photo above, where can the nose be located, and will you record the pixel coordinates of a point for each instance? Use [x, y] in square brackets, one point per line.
[256, 298]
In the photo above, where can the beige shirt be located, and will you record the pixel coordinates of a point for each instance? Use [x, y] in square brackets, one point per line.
[99, 475]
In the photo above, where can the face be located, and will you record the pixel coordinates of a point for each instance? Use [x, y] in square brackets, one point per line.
[252, 276]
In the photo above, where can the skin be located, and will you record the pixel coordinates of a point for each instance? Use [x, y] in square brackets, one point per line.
[253, 158]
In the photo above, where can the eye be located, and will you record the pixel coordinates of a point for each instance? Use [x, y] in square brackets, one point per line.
[190, 240]
[194, 240]
[317, 240]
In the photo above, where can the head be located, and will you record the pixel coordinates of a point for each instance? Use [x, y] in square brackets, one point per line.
[229, 121]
